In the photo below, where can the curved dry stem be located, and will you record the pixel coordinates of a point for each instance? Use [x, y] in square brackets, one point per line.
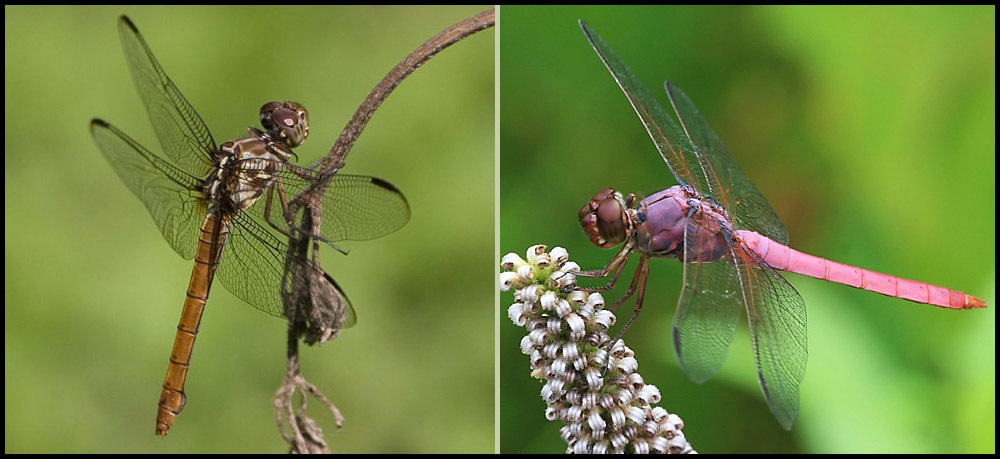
[304, 290]
[310, 201]
[334, 160]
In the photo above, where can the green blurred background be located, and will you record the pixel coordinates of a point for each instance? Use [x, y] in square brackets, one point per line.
[870, 131]
[93, 293]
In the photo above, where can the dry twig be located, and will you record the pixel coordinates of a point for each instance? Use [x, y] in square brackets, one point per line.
[314, 308]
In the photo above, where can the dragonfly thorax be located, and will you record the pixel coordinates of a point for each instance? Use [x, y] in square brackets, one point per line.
[656, 223]
[247, 168]
[668, 218]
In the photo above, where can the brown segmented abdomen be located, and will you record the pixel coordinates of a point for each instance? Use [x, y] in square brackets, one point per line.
[214, 232]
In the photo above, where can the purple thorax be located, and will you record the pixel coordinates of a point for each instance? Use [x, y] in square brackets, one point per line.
[661, 218]
[657, 224]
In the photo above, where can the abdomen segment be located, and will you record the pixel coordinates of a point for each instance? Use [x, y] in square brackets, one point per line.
[214, 232]
[785, 258]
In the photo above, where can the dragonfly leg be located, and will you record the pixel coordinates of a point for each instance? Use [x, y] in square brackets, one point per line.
[638, 280]
[267, 212]
[617, 264]
[638, 285]
[611, 283]
[641, 273]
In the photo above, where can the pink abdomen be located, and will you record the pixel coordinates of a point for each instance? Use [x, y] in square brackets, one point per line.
[785, 258]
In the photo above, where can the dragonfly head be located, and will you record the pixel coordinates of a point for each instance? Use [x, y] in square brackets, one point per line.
[605, 218]
[288, 122]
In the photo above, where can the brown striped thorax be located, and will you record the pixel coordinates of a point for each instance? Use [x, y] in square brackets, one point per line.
[249, 165]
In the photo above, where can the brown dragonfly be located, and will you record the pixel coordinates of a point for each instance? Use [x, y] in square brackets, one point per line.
[205, 202]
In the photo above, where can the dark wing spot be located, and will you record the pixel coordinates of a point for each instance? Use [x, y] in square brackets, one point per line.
[336, 287]
[128, 22]
[382, 183]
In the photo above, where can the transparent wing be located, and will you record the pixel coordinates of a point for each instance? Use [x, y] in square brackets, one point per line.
[321, 309]
[777, 317]
[355, 207]
[253, 268]
[337, 301]
[254, 264]
[360, 208]
[171, 195]
[737, 194]
[667, 135]
[709, 306]
[184, 136]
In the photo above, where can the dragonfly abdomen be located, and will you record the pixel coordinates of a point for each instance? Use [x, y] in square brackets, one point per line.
[214, 232]
[784, 258]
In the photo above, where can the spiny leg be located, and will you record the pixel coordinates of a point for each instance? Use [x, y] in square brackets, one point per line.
[641, 272]
[639, 279]
[617, 264]
[611, 283]
[267, 211]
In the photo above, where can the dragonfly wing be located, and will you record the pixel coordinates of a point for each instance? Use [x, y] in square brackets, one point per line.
[749, 209]
[334, 311]
[336, 294]
[253, 268]
[184, 136]
[667, 135]
[258, 269]
[777, 317]
[709, 307]
[252, 265]
[355, 207]
[172, 196]
[360, 208]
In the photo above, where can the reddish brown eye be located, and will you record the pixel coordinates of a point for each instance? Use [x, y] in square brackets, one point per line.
[286, 117]
[603, 194]
[288, 122]
[267, 114]
[609, 210]
[605, 219]
[611, 220]
[269, 107]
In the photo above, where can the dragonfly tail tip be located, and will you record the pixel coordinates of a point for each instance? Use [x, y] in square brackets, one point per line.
[973, 302]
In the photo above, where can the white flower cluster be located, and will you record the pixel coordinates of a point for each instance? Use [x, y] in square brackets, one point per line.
[596, 391]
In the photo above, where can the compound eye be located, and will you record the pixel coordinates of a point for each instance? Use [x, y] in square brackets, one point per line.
[287, 121]
[605, 219]
[285, 118]
[269, 107]
[266, 115]
[611, 218]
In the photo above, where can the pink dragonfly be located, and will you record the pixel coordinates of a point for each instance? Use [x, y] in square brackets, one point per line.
[732, 244]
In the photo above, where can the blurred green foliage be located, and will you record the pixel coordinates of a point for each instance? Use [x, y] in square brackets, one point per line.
[869, 129]
[93, 293]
